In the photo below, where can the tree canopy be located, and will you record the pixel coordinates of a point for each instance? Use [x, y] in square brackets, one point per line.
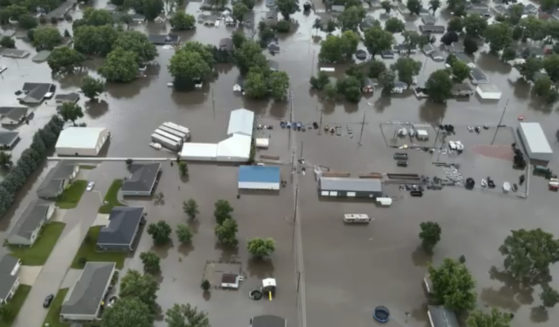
[181, 21]
[377, 40]
[240, 10]
[551, 66]
[338, 48]
[226, 232]
[261, 247]
[70, 112]
[453, 285]
[460, 70]
[414, 6]
[184, 234]
[190, 208]
[287, 7]
[151, 262]
[499, 36]
[494, 318]
[120, 66]
[394, 25]
[192, 63]
[92, 87]
[64, 60]
[94, 40]
[46, 38]
[138, 43]
[439, 86]
[160, 232]
[185, 315]
[222, 211]
[351, 17]
[407, 68]
[142, 287]
[127, 312]
[249, 55]
[474, 25]
[430, 235]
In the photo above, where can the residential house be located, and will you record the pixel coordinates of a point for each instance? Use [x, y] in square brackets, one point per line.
[142, 181]
[164, 39]
[478, 77]
[85, 299]
[9, 278]
[35, 93]
[482, 10]
[403, 48]
[122, 231]
[28, 226]
[367, 22]
[461, 90]
[437, 55]
[57, 179]
[465, 59]
[428, 19]
[428, 49]
[12, 116]
[387, 54]
[69, 97]
[137, 18]
[399, 87]
[8, 139]
[60, 12]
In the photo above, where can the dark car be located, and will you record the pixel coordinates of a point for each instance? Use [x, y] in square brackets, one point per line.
[400, 156]
[402, 163]
[48, 300]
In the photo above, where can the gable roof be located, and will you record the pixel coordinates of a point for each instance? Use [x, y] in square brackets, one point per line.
[68, 97]
[35, 92]
[241, 121]
[143, 177]
[86, 295]
[31, 219]
[123, 223]
[7, 279]
[13, 113]
[53, 184]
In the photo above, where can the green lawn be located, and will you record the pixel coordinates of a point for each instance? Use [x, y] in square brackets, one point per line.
[71, 196]
[13, 306]
[37, 254]
[111, 197]
[53, 316]
[88, 167]
[88, 252]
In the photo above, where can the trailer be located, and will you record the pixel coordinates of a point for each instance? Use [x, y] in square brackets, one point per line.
[169, 136]
[174, 132]
[165, 142]
[178, 127]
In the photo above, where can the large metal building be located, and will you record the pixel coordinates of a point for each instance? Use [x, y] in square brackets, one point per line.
[259, 178]
[81, 141]
[350, 187]
[534, 141]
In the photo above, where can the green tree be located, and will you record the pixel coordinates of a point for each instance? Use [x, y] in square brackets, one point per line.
[121, 66]
[386, 5]
[186, 316]
[287, 7]
[278, 84]
[351, 17]
[184, 234]
[151, 262]
[205, 285]
[414, 6]
[260, 247]
[94, 40]
[515, 12]
[499, 36]
[350, 88]
[551, 66]
[92, 87]
[138, 43]
[128, 312]
[190, 208]
[377, 40]
[455, 24]
[7, 42]
[70, 112]
[474, 25]
[394, 25]
[530, 67]
[549, 296]
[543, 87]
[134, 285]
[438, 86]
[256, 85]
[453, 285]
[181, 21]
[64, 60]
[376, 68]
[509, 53]
[548, 5]
[5, 159]
[226, 232]
[495, 318]
[460, 70]
[152, 8]
[533, 28]
[528, 255]
[386, 80]
[407, 68]
[191, 63]
[412, 40]
[240, 10]
[95, 17]
[430, 235]
[160, 232]
[338, 48]
[456, 7]
[46, 38]
[434, 5]
[27, 21]
[470, 45]
[320, 81]
[183, 169]
[250, 55]
[249, 3]
[222, 211]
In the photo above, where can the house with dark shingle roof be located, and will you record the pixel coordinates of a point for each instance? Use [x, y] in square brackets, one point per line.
[83, 302]
[121, 232]
[35, 93]
[28, 226]
[9, 278]
[8, 139]
[143, 179]
[68, 97]
[57, 179]
[12, 116]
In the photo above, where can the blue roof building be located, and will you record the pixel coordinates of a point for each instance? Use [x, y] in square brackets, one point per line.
[259, 177]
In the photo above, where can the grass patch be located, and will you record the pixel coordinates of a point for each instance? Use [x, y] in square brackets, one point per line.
[37, 254]
[111, 200]
[87, 167]
[71, 196]
[88, 252]
[12, 308]
[53, 316]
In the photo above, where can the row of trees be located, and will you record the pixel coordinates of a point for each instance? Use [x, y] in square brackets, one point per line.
[31, 159]
[23, 11]
[149, 8]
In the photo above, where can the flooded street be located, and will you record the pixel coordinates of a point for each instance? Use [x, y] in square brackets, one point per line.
[347, 270]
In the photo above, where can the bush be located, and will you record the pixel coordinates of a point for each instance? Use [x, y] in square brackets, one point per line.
[184, 234]
[320, 81]
[205, 285]
[160, 232]
[7, 42]
[151, 262]
[283, 26]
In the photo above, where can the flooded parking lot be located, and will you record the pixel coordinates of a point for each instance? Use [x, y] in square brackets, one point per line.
[347, 269]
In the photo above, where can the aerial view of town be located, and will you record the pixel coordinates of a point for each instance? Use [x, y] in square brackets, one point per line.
[279, 163]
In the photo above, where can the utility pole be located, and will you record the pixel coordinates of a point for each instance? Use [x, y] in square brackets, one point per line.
[213, 103]
[362, 127]
[320, 124]
[500, 121]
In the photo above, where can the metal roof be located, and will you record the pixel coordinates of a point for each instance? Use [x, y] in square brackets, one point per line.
[87, 294]
[123, 224]
[260, 174]
[439, 316]
[351, 184]
[143, 177]
[268, 321]
[7, 279]
[31, 219]
[80, 137]
[535, 138]
[241, 121]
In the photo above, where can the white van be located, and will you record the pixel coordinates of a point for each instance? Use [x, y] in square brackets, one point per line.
[356, 218]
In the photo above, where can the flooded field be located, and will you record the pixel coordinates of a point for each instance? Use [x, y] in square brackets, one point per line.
[347, 270]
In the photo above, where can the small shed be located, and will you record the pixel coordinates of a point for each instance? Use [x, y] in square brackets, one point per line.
[259, 178]
[535, 143]
[262, 142]
[230, 281]
[488, 92]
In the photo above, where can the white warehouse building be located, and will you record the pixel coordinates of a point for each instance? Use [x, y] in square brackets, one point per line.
[81, 141]
[535, 143]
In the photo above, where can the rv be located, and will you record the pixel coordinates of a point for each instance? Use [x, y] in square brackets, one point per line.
[356, 218]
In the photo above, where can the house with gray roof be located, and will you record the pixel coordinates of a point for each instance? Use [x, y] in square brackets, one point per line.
[28, 226]
[143, 180]
[121, 232]
[35, 93]
[478, 77]
[12, 116]
[9, 278]
[68, 97]
[8, 139]
[439, 316]
[57, 179]
[83, 302]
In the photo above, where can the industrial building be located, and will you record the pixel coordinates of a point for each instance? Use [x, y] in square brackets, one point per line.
[259, 178]
[342, 187]
[534, 141]
[81, 141]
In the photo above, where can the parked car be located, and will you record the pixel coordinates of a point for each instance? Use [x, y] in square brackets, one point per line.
[400, 156]
[48, 300]
[402, 163]
[90, 186]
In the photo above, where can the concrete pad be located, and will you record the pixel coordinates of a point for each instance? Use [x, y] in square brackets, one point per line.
[101, 220]
[70, 278]
[59, 215]
[28, 274]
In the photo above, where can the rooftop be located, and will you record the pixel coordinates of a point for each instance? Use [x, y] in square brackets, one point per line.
[7, 138]
[68, 97]
[263, 174]
[268, 321]
[439, 316]
[53, 183]
[143, 177]
[31, 218]
[35, 92]
[13, 113]
[241, 121]
[350, 184]
[79, 137]
[123, 223]
[7, 277]
[535, 137]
